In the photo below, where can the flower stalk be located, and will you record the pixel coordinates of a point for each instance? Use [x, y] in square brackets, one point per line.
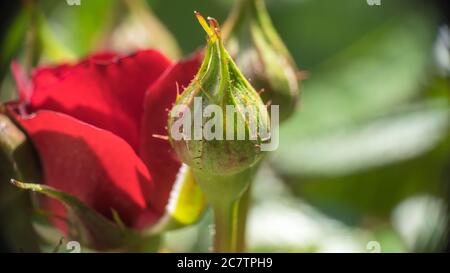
[222, 166]
[227, 205]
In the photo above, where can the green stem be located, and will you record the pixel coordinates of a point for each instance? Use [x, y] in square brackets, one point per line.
[32, 48]
[231, 222]
[227, 195]
[225, 221]
[242, 214]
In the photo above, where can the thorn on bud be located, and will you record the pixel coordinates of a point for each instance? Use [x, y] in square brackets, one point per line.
[160, 137]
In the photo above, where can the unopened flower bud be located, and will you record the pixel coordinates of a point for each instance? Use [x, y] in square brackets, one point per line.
[261, 55]
[219, 122]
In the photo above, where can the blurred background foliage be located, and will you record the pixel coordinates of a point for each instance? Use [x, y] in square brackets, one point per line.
[363, 165]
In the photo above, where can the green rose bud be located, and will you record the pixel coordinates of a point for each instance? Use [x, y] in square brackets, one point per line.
[219, 122]
[261, 55]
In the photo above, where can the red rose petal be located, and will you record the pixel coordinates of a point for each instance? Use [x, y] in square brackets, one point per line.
[156, 152]
[105, 90]
[94, 165]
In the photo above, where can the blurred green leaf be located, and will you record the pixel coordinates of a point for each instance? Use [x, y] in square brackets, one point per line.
[53, 49]
[80, 28]
[387, 140]
[142, 29]
[316, 30]
[367, 171]
[356, 148]
[383, 69]
[13, 39]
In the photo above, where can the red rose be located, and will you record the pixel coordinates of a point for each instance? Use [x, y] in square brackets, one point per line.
[93, 126]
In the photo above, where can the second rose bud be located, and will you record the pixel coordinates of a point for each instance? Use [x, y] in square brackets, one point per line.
[261, 55]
